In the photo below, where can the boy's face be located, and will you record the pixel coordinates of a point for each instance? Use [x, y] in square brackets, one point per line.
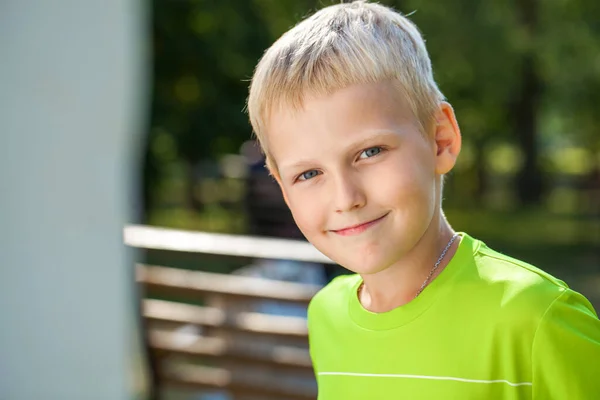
[361, 180]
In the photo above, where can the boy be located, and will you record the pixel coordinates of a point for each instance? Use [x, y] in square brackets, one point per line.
[359, 137]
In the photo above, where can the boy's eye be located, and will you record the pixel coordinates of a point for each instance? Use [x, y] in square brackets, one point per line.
[373, 151]
[308, 175]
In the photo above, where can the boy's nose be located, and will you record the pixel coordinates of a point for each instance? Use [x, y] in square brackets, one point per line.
[349, 195]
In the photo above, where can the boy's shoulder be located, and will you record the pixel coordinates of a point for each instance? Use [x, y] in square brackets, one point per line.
[533, 303]
[514, 278]
[512, 289]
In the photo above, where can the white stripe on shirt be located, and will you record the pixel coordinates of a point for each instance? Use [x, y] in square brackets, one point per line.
[442, 378]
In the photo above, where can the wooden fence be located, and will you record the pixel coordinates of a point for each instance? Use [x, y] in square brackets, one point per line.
[203, 329]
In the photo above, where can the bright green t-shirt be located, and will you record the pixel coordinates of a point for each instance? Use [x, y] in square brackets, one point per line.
[488, 327]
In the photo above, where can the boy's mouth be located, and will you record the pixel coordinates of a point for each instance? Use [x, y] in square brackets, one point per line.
[359, 228]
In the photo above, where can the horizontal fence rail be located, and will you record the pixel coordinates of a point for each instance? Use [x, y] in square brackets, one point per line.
[194, 283]
[247, 322]
[146, 237]
[273, 356]
[200, 377]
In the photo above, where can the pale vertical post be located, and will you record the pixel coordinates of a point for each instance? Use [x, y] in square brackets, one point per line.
[72, 101]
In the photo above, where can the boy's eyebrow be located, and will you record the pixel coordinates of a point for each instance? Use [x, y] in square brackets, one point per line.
[374, 135]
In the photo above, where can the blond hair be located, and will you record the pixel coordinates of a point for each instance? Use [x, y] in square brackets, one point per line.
[337, 47]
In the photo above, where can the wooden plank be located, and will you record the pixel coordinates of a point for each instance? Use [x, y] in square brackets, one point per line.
[281, 326]
[286, 358]
[217, 243]
[180, 392]
[194, 283]
[200, 377]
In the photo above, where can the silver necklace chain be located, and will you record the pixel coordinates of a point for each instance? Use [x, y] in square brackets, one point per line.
[435, 266]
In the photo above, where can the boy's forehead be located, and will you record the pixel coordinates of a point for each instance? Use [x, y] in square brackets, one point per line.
[346, 115]
[361, 104]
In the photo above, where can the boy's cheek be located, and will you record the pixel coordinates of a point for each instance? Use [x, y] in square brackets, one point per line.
[306, 210]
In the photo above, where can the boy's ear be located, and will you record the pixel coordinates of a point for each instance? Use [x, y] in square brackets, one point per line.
[447, 138]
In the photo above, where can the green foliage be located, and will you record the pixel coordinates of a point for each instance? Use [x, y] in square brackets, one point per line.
[205, 52]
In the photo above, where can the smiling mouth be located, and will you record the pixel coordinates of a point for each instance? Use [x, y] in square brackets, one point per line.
[360, 228]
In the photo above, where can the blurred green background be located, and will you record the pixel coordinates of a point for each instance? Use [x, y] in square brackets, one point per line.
[522, 75]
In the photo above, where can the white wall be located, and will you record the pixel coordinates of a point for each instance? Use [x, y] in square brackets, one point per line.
[72, 82]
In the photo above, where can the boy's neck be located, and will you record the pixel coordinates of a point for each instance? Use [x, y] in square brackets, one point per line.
[398, 284]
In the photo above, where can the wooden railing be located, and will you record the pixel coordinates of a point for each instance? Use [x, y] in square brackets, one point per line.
[204, 330]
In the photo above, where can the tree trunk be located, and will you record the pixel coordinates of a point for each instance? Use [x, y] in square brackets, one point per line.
[529, 178]
[481, 171]
[192, 201]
